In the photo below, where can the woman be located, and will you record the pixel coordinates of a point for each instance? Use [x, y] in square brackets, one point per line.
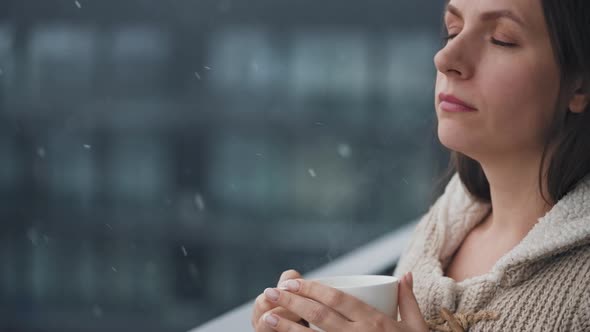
[507, 246]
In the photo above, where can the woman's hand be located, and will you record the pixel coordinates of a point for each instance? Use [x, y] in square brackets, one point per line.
[262, 306]
[333, 310]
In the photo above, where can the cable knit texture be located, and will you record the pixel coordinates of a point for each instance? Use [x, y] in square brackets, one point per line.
[542, 284]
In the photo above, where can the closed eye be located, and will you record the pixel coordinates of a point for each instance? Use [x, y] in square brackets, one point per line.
[495, 41]
[502, 43]
[449, 37]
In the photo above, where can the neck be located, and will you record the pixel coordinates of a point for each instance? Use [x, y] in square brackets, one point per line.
[516, 198]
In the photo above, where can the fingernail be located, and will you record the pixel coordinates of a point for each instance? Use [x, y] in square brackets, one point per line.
[271, 294]
[411, 279]
[271, 320]
[292, 285]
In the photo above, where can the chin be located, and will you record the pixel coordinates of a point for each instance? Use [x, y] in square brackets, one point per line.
[456, 138]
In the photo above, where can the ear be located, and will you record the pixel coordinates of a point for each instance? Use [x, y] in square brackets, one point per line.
[580, 99]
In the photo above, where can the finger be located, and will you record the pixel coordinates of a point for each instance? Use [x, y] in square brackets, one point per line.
[345, 304]
[314, 312]
[278, 323]
[286, 314]
[262, 326]
[261, 309]
[286, 275]
[262, 305]
[408, 305]
[289, 274]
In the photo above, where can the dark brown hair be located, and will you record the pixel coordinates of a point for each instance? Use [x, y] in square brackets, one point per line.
[569, 136]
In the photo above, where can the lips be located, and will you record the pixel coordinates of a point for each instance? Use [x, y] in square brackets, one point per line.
[450, 103]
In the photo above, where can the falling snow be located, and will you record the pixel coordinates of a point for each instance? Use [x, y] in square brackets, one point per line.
[109, 226]
[329, 256]
[87, 146]
[113, 268]
[41, 152]
[207, 68]
[184, 251]
[97, 311]
[344, 150]
[312, 173]
[197, 75]
[78, 4]
[199, 202]
[33, 236]
[193, 270]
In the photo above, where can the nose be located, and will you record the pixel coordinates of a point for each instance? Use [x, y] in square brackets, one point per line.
[455, 59]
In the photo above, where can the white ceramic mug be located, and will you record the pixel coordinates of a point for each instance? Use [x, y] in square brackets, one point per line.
[377, 291]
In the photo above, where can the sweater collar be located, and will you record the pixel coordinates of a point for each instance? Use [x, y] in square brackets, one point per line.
[564, 227]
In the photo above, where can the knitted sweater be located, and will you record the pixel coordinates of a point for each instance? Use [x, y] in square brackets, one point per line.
[542, 284]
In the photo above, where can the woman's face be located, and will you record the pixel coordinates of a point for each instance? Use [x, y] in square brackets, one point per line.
[499, 62]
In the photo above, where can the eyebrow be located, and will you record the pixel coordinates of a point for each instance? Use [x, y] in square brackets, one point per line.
[491, 15]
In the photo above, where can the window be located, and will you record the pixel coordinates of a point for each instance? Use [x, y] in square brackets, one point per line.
[163, 162]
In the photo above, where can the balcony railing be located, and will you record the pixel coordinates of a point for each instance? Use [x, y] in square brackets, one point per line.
[376, 257]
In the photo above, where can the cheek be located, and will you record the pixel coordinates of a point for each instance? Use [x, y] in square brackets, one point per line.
[520, 99]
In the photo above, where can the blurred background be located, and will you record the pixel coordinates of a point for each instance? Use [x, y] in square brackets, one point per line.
[162, 162]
